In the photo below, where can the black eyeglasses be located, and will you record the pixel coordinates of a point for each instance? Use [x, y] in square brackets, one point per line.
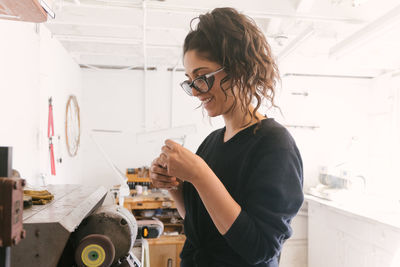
[202, 84]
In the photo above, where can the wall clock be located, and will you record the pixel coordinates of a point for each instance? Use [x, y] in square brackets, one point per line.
[72, 126]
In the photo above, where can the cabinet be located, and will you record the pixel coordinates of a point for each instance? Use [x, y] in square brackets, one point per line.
[144, 207]
[165, 250]
[341, 239]
[151, 201]
[294, 251]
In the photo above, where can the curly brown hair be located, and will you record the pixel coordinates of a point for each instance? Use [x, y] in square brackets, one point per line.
[234, 41]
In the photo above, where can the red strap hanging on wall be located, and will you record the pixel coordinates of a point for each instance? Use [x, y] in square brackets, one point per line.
[50, 134]
[50, 126]
[52, 163]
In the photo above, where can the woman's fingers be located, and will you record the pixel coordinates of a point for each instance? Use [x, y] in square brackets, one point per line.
[159, 175]
[162, 181]
[158, 170]
[162, 178]
[161, 184]
[156, 161]
[165, 185]
[170, 144]
[166, 149]
[162, 160]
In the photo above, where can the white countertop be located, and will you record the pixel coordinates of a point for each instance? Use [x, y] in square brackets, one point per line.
[368, 207]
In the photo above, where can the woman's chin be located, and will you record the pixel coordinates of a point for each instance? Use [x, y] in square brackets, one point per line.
[212, 113]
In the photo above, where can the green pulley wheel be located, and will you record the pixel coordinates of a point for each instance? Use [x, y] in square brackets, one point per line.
[95, 251]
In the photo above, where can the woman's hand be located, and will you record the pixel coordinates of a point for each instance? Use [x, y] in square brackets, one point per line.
[181, 162]
[160, 178]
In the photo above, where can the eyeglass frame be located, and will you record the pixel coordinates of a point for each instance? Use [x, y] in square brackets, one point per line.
[205, 78]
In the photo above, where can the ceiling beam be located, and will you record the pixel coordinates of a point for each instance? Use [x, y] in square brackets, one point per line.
[123, 61]
[274, 26]
[304, 6]
[293, 45]
[372, 30]
[269, 9]
[77, 23]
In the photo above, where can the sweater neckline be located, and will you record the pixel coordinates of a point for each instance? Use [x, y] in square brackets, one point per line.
[240, 133]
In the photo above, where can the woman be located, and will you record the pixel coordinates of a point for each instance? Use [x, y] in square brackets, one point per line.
[241, 189]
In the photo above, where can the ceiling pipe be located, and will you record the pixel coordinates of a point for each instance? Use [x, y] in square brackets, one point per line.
[175, 69]
[96, 39]
[326, 76]
[4, 16]
[81, 23]
[119, 68]
[127, 68]
[89, 66]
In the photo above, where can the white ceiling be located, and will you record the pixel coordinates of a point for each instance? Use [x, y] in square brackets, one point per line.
[304, 34]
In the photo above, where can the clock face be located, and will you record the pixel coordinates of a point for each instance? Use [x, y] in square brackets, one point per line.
[72, 126]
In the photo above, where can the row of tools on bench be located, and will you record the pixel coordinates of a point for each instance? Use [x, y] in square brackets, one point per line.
[105, 237]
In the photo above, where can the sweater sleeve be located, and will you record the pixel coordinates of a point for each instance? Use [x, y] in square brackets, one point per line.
[272, 198]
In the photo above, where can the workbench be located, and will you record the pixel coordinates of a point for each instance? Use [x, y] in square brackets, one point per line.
[49, 226]
[151, 201]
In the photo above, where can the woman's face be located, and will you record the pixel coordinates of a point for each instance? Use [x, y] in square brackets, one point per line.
[214, 101]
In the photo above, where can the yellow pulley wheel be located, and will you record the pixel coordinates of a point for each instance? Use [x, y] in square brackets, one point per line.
[95, 251]
[93, 255]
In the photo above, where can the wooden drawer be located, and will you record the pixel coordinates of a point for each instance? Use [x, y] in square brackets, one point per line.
[165, 249]
[163, 255]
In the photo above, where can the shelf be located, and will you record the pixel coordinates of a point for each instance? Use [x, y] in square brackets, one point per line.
[149, 205]
[22, 10]
[135, 179]
[173, 224]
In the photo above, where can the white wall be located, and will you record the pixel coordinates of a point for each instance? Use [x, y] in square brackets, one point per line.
[33, 67]
[384, 136]
[337, 106]
[359, 125]
[117, 101]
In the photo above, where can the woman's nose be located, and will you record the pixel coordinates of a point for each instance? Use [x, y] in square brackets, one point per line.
[195, 92]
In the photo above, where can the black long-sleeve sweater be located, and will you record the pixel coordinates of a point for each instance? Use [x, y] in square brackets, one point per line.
[263, 172]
